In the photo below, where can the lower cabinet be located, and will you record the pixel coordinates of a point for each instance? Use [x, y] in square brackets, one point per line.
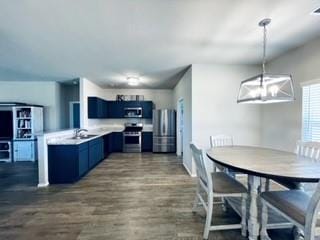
[96, 153]
[147, 141]
[107, 147]
[24, 150]
[117, 142]
[83, 162]
[68, 163]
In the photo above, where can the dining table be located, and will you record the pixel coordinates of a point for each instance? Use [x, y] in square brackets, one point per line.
[260, 164]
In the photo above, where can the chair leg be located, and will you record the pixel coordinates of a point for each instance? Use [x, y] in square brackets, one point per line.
[264, 222]
[209, 216]
[298, 233]
[196, 200]
[244, 215]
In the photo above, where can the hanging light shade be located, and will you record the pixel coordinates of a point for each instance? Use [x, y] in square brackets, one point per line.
[265, 87]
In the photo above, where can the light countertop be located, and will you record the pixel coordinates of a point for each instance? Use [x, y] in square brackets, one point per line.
[99, 132]
[67, 140]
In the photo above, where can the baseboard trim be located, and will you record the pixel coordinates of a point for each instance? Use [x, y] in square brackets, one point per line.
[187, 169]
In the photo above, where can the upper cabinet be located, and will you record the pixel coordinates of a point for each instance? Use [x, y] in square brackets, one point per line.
[147, 107]
[116, 109]
[100, 108]
[97, 108]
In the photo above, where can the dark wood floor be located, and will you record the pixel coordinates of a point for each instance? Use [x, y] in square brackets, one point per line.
[128, 196]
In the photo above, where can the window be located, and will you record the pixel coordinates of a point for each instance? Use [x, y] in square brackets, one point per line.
[311, 113]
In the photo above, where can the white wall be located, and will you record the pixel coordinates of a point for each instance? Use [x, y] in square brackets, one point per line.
[183, 90]
[41, 93]
[69, 93]
[214, 104]
[162, 98]
[281, 122]
[87, 89]
[210, 100]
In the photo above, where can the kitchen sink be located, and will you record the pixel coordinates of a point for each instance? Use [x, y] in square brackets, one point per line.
[84, 136]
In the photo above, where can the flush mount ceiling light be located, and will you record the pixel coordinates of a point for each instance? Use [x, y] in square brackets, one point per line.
[265, 87]
[133, 81]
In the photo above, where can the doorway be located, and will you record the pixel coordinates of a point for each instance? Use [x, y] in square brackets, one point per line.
[74, 110]
[180, 126]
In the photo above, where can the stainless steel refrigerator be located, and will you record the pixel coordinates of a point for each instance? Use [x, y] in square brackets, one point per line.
[164, 130]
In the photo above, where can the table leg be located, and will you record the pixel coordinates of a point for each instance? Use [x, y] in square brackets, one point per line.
[264, 212]
[297, 232]
[253, 222]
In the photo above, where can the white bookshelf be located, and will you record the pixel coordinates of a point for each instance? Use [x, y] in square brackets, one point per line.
[27, 121]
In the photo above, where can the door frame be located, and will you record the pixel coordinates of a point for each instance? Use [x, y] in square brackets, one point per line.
[179, 140]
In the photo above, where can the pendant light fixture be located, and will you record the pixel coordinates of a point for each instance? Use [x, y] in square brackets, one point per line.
[265, 87]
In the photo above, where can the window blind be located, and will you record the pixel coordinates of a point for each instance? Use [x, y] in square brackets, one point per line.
[311, 113]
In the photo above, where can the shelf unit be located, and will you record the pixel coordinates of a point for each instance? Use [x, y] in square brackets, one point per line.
[27, 121]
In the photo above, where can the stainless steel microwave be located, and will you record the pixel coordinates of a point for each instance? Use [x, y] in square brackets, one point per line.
[134, 112]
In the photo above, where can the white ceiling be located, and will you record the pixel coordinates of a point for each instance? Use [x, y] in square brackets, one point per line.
[106, 41]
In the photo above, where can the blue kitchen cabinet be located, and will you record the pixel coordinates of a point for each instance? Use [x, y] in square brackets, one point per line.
[131, 104]
[97, 108]
[67, 163]
[107, 145]
[147, 107]
[112, 142]
[100, 108]
[115, 109]
[147, 141]
[96, 153]
[83, 162]
[116, 142]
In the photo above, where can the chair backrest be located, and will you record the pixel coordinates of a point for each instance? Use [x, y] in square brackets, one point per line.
[312, 214]
[221, 140]
[202, 170]
[308, 149]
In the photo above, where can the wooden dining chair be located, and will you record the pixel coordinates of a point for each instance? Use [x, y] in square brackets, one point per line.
[309, 150]
[296, 206]
[221, 141]
[216, 184]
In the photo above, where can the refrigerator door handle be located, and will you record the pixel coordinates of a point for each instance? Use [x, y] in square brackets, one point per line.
[163, 132]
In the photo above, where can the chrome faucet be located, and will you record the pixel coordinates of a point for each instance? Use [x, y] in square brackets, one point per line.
[78, 131]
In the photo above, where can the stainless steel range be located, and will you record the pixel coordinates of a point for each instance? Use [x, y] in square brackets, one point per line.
[132, 137]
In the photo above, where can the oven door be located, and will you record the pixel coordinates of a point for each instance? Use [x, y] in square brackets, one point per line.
[131, 142]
